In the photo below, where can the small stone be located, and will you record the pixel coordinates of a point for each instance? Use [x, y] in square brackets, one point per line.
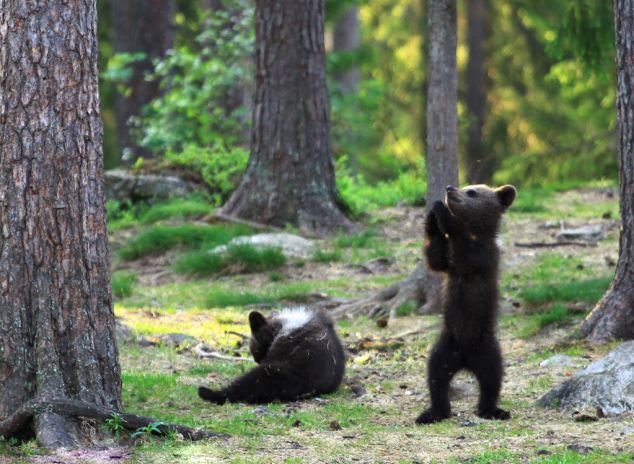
[543, 452]
[581, 449]
[358, 389]
[559, 360]
[381, 323]
[585, 418]
[297, 423]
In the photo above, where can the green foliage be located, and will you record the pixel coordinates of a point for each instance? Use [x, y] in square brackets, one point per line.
[408, 188]
[120, 216]
[236, 259]
[115, 424]
[406, 309]
[198, 82]
[177, 208]
[589, 291]
[153, 428]
[536, 322]
[220, 167]
[160, 238]
[123, 283]
[327, 256]
[361, 240]
[219, 297]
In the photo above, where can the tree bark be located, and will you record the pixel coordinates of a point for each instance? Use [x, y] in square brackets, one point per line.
[442, 119]
[290, 178]
[480, 165]
[346, 39]
[57, 336]
[139, 26]
[613, 317]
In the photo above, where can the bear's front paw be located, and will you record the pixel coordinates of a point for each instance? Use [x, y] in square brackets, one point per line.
[430, 416]
[211, 395]
[494, 413]
[438, 207]
[431, 225]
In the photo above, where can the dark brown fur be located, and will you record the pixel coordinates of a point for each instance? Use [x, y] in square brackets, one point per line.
[460, 242]
[306, 361]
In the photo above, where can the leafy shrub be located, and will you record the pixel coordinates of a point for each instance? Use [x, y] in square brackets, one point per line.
[123, 283]
[179, 208]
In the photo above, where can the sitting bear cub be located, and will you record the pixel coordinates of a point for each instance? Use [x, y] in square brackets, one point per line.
[460, 242]
[299, 355]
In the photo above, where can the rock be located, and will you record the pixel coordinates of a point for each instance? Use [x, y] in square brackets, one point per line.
[581, 449]
[178, 340]
[122, 185]
[293, 246]
[559, 360]
[588, 233]
[123, 333]
[607, 384]
[376, 266]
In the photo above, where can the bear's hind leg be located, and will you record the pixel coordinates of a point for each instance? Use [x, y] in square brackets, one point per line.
[444, 362]
[486, 364]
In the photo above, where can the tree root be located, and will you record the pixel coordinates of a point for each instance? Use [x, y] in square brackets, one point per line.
[67, 408]
[387, 301]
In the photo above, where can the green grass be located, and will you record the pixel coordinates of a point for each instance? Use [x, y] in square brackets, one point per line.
[178, 208]
[160, 238]
[406, 309]
[364, 239]
[323, 256]
[236, 259]
[219, 297]
[123, 283]
[536, 322]
[588, 291]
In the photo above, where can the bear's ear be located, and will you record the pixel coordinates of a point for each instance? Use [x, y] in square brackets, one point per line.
[256, 321]
[506, 194]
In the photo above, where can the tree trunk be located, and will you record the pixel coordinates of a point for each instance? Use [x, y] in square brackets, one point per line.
[346, 39]
[613, 317]
[480, 165]
[442, 118]
[139, 26]
[290, 178]
[423, 285]
[57, 336]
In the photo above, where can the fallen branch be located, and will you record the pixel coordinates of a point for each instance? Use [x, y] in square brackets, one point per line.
[215, 355]
[76, 408]
[237, 334]
[552, 244]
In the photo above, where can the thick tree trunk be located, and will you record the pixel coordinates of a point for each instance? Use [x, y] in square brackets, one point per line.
[290, 178]
[480, 165]
[613, 317]
[139, 26]
[442, 118]
[346, 39]
[57, 335]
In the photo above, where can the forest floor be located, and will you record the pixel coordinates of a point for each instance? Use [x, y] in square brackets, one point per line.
[546, 293]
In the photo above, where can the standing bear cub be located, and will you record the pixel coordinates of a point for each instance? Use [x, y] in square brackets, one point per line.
[461, 242]
[298, 354]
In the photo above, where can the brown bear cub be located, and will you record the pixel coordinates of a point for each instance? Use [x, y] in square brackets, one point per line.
[460, 242]
[298, 354]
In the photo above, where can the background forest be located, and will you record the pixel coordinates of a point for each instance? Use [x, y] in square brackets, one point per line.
[198, 109]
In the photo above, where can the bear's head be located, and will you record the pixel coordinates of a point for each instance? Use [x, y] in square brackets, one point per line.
[263, 332]
[479, 207]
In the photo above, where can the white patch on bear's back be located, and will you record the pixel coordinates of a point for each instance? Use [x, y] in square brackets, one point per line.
[294, 318]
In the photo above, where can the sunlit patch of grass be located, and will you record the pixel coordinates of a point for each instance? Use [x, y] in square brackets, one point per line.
[160, 238]
[534, 323]
[236, 259]
[177, 208]
[123, 283]
[295, 292]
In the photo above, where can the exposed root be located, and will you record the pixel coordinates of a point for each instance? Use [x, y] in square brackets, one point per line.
[43, 412]
[387, 301]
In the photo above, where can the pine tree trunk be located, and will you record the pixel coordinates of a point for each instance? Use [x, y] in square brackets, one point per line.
[480, 165]
[613, 317]
[442, 118]
[139, 26]
[290, 178]
[346, 39]
[57, 335]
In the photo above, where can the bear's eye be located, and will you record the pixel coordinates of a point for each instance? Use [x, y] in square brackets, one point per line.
[472, 193]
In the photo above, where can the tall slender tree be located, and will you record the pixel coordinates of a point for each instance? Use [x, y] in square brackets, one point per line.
[139, 26]
[613, 317]
[290, 177]
[479, 164]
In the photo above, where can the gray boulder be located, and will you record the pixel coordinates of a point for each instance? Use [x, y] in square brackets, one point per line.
[607, 384]
[122, 185]
[588, 233]
[293, 246]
